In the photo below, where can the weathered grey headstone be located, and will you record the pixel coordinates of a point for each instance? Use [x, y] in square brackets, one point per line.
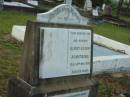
[63, 14]
[107, 10]
[58, 56]
[88, 5]
[68, 2]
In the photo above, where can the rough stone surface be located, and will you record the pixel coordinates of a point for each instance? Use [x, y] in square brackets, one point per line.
[19, 88]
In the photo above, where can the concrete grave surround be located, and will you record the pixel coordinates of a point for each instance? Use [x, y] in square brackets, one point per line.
[16, 4]
[109, 43]
[111, 64]
[18, 32]
[62, 14]
[115, 63]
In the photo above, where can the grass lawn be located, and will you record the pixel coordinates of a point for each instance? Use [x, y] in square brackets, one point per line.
[10, 18]
[11, 50]
[114, 32]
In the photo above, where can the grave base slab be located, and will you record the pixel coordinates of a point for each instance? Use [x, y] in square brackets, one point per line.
[19, 88]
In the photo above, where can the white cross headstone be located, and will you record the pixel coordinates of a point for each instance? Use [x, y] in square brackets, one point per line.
[68, 2]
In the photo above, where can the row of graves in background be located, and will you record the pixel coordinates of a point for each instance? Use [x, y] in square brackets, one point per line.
[84, 6]
[57, 58]
[45, 5]
[81, 5]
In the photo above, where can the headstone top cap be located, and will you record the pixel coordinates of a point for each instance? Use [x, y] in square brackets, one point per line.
[62, 14]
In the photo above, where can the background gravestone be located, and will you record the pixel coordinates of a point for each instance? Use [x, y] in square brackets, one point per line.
[88, 5]
[68, 2]
[1, 4]
[71, 57]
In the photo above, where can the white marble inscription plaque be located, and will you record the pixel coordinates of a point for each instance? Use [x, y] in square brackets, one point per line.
[65, 52]
[77, 94]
